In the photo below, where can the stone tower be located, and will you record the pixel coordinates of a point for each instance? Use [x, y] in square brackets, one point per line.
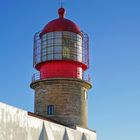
[61, 56]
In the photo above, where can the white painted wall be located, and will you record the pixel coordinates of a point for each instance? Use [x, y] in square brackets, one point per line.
[16, 124]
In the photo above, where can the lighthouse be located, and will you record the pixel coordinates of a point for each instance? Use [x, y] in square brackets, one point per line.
[61, 57]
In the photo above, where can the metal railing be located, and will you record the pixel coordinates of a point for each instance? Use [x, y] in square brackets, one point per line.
[68, 51]
[40, 76]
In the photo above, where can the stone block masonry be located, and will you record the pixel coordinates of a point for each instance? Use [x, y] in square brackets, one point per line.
[67, 95]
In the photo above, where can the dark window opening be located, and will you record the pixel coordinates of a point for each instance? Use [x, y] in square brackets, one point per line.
[51, 110]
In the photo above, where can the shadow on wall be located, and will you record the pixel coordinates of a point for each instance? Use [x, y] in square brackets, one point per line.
[84, 137]
[65, 137]
[43, 134]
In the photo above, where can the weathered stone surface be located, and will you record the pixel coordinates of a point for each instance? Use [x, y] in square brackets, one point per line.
[16, 124]
[69, 97]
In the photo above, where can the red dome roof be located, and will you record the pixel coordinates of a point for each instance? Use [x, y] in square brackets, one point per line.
[61, 24]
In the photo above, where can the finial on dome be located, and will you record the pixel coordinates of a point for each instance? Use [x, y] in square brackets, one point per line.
[61, 3]
[61, 12]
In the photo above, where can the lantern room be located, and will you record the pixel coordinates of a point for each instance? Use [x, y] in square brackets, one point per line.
[61, 49]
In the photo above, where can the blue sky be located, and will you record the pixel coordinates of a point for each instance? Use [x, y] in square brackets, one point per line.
[114, 31]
